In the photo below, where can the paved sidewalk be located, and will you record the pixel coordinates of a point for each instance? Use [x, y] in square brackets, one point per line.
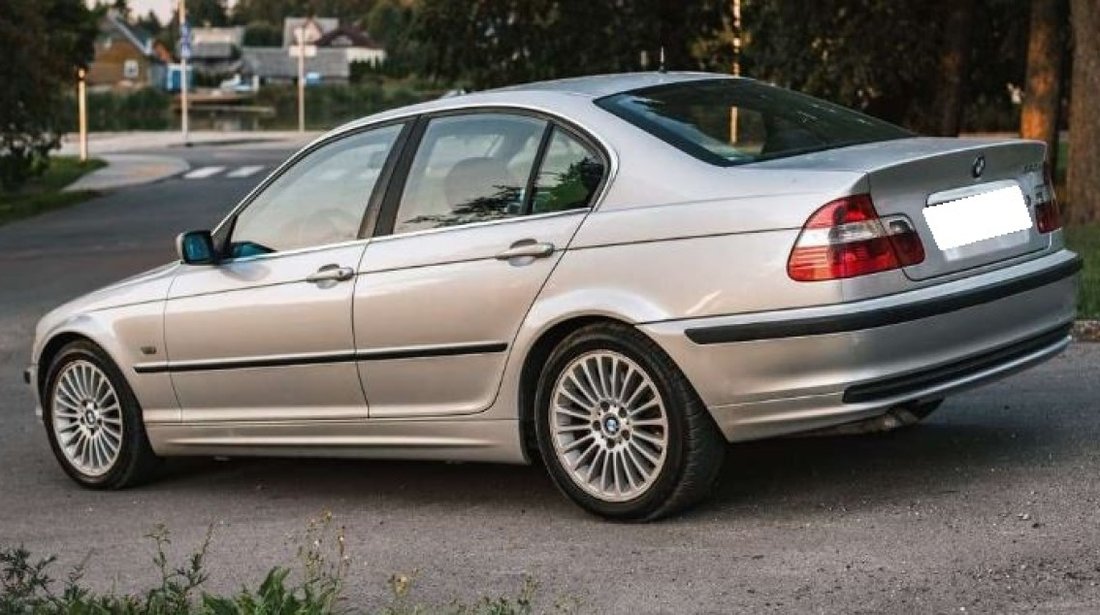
[129, 170]
[100, 143]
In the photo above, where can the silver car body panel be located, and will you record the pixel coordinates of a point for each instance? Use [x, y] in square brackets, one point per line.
[422, 355]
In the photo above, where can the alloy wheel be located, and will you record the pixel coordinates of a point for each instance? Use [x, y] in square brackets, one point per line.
[87, 418]
[608, 425]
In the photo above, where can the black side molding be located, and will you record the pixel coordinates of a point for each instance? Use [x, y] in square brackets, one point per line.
[880, 318]
[336, 357]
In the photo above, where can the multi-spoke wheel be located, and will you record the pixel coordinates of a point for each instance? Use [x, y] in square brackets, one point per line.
[609, 425]
[620, 428]
[87, 418]
[93, 420]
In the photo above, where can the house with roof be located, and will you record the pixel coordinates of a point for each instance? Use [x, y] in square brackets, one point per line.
[334, 48]
[125, 57]
[312, 28]
[217, 51]
[357, 44]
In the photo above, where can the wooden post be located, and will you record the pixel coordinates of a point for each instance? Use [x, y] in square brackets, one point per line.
[183, 70]
[302, 78]
[82, 115]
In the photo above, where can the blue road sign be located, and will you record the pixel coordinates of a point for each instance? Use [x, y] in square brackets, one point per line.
[185, 41]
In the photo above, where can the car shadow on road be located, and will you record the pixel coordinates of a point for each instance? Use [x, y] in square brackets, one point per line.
[795, 475]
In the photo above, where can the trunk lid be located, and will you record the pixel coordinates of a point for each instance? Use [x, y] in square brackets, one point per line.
[910, 176]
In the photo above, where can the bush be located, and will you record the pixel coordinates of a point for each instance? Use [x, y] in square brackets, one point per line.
[143, 109]
[27, 588]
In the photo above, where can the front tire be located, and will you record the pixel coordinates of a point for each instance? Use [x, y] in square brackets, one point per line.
[620, 428]
[93, 420]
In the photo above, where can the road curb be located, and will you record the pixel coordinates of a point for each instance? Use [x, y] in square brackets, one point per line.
[124, 170]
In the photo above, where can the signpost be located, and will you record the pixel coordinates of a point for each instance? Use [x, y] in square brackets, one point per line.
[185, 55]
[302, 51]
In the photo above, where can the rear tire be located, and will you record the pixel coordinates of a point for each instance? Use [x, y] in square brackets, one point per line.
[620, 429]
[93, 420]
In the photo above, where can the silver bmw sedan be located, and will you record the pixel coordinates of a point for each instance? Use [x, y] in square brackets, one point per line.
[614, 275]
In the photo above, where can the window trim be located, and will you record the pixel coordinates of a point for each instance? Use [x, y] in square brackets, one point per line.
[374, 199]
[387, 217]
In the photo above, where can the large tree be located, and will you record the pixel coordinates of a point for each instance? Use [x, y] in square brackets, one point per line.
[495, 42]
[1043, 93]
[954, 65]
[906, 62]
[1084, 121]
[42, 43]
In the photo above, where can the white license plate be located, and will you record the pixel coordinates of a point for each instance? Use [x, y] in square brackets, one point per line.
[976, 218]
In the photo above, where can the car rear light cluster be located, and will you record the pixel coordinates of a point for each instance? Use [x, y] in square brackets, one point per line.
[847, 238]
[1048, 218]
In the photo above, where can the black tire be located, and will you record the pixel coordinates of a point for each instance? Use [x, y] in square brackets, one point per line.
[136, 462]
[695, 448]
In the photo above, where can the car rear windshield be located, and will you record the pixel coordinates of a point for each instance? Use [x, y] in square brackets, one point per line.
[737, 121]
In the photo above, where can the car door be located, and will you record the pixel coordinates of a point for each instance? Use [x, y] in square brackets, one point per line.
[266, 334]
[488, 203]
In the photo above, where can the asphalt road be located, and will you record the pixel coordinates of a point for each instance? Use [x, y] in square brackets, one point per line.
[993, 505]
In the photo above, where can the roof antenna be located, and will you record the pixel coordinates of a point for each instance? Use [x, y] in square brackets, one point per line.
[661, 61]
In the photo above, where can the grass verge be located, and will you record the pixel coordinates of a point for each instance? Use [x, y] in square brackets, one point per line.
[1085, 240]
[316, 587]
[45, 192]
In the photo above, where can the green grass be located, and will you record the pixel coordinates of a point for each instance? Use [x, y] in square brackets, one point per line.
[1085, 240]
[44, 193]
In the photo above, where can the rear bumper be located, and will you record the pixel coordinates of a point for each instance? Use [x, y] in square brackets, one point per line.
[774, 373]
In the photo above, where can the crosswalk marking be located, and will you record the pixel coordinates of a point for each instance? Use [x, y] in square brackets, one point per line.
[203, 172]
[245, 171]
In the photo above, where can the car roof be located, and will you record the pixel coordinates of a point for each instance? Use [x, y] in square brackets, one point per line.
[597, 86]
[558, 94]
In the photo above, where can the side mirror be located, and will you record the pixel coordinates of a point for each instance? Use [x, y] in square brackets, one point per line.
[196, 248]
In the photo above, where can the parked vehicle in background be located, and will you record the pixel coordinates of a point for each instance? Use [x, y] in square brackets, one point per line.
[616, 274]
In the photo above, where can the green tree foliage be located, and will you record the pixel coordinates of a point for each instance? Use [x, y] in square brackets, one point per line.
[883, 56]
[391, 23]
[262, 34]
[207, 12]
[495, 42]
[42, 43]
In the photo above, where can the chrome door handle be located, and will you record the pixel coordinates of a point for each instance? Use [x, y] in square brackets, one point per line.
[331, 273]
[527, 248]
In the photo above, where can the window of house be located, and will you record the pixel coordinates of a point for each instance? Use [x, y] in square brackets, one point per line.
[131, 69]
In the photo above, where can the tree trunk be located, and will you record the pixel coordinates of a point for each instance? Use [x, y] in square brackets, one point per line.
[1084, 127]
[1043, 96]
[954, 64]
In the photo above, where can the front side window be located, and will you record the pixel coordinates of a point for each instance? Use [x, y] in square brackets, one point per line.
[569, 175]
[320, 200]
[469, 168]
[737, 121]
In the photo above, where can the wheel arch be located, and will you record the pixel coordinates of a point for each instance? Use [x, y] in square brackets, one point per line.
[536, 356]
[51, 349]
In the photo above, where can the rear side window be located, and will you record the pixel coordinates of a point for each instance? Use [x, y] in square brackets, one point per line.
[469, 168]
[568, 177]
[737, 121]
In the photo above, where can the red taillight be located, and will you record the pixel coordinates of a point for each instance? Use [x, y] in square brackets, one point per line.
[1048, 218]
[846, 238]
